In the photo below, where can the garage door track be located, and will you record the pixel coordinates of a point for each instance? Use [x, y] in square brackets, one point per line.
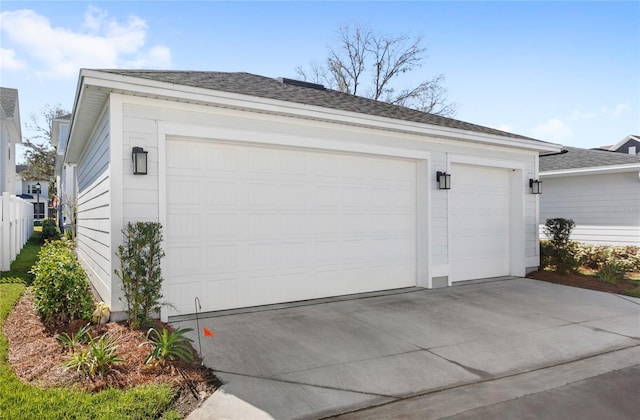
[457, 348]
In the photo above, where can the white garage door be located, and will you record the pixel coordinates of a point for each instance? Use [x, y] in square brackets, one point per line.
[479, 223]
[252, 225]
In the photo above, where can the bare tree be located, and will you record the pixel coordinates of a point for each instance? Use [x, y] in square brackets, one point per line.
[40, 154]
[363, 56]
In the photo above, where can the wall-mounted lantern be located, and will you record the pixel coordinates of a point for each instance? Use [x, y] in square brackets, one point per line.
[139, 157]
[536, 186]
[444, 180]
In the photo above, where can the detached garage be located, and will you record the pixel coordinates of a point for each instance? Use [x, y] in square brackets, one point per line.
[272, 190]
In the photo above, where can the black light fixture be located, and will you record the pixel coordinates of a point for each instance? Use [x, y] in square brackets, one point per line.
[444, 180]
[536, 186]
[139, 157]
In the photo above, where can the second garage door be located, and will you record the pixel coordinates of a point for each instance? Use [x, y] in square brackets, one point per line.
[479, 222]
[252, 225]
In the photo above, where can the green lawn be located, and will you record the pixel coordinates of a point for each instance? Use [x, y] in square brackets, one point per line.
[22, 401]
[25, 260]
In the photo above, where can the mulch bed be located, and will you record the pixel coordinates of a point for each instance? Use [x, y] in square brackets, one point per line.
[585, 282]
[38, 358]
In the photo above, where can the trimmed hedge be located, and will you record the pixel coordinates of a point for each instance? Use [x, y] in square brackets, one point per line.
[611, 262]
[61, 288]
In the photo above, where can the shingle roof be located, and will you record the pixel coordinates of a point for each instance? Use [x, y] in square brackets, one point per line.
[575, 158]
[266, 87]
[8, 99]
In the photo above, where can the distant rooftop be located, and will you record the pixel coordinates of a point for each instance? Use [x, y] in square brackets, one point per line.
[575, 158]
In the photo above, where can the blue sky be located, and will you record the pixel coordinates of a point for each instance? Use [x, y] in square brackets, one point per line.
[566, 72]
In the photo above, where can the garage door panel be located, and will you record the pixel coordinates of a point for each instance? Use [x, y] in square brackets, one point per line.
[280, 224]
[220, 193]
[219, 226]
[223, 258]
[187, 260]
[479, 225]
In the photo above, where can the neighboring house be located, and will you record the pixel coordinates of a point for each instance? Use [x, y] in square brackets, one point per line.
[599, 190]
[65, 180]
[10, 136]
[28, 190]
[275, 190]
[629, 145]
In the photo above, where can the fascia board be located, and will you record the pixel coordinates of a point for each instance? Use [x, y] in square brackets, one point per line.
[162, 90]
[594, 170]
[71, 145]
[15, 133]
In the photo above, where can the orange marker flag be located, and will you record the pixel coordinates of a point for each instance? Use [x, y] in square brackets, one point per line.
[208, 332]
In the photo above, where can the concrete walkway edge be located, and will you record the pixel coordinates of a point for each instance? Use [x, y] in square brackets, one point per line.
[449, 402]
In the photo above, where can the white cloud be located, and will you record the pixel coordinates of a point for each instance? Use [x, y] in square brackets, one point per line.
[553, 130]
[8, 60]
[580, 115]
[617, 111]
[101, 42]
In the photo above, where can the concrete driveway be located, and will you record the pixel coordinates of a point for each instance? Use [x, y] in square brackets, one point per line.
[415, 353]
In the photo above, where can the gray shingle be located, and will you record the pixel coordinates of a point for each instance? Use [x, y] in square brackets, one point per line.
[265, 87]
[8, 100]
[575, 158]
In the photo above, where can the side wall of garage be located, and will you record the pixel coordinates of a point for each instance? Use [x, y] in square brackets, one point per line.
[94, 209]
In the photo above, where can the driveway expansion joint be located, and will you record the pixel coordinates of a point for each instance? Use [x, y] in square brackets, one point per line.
[332, 388]
[417, 350]
[477, 372]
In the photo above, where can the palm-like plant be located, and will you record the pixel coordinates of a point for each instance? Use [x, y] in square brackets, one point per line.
[97, 357]
[74, 341]
[170, 345]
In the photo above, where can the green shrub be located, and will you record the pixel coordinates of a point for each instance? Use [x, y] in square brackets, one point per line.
[50, 231]
[558, 230]
[559, 252]
[140, 271]
[612, 272]
[61, 288]
[170, 345]
[629, 256]
[594, 256]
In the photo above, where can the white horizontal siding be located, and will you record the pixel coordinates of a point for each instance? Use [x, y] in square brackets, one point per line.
[593, 200]
[94, 211]
[95, 159]
[603, 235]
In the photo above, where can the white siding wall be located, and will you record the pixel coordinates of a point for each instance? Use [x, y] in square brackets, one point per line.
[94, 210]
[140, 128]
[605, 207]
[4, 148]
[7, 175]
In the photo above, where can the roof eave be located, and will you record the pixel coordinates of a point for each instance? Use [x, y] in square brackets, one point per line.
[591, 170]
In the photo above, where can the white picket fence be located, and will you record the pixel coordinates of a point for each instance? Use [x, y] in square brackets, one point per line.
[16, 227]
